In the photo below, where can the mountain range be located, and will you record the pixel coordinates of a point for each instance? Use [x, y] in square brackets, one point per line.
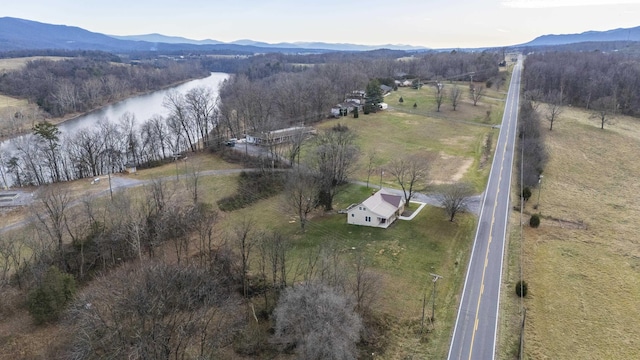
[21, 34]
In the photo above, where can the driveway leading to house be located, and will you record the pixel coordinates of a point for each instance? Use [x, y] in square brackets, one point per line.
[473, 203]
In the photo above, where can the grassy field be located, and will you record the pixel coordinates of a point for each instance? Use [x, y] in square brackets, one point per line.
[18, 63]
[582, 265]
[457, 137]
[402, 255]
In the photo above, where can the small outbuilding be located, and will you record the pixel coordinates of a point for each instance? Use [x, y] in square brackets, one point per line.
[130, 167]
[379, 210]
[280, 136]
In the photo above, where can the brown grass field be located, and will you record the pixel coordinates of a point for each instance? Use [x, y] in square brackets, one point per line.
[18, 63]
[402, 255]
[582, 264]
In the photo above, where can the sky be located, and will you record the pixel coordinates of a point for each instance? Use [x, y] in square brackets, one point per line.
[427, 23]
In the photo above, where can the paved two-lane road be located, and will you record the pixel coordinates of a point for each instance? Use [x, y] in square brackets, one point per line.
[474, 334]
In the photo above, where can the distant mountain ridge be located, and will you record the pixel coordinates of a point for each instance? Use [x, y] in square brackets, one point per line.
[246, 42]
[21, 34]
[628, 34]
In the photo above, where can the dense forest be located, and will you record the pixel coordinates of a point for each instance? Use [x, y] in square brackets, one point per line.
[593, 80]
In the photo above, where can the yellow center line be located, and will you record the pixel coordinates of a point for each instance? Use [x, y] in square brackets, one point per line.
[486, 257]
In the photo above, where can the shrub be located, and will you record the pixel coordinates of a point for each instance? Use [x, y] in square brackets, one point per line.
[47, 301]
[526, 193]
[521, 288]
[534, 221]
[318, 321]
[252, 186]
[401, 100]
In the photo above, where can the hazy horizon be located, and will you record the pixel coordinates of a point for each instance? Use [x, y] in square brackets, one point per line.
[433, 24]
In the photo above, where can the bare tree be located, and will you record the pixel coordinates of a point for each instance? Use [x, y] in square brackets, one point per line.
[6, 253]
[333, 158]
[364, 284]
[553, 108]
[476, 93]
[192, 181]
[131, 139]
[160, 133]
[455, 198]
[52, 214]
[154, 311]
[294, 146]
[301, 193]
[204, 219]
[182, 118]
[244, 239]
[604, 109]
[319, 320]
[87, 149]
[201, 105]
[27, 160]
[409, 172]
[372, 157]
[272, 258]
[439, 95]
[454, 96]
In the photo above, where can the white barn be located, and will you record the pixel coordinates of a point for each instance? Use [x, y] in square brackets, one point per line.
[379, 210]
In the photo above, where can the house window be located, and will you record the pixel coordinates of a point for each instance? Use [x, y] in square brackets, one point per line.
[383, 220]
[367, 218]
[352, 215]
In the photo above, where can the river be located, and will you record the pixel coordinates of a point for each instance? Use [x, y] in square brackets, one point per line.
[143, 107]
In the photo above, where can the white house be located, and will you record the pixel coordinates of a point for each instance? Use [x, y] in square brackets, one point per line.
[379, 210]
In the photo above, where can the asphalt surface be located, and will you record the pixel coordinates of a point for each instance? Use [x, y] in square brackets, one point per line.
[474, 334]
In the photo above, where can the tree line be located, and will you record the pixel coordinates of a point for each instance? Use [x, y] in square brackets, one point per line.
[593, 80]
[276, 91]
[80, 84]
[110, 146]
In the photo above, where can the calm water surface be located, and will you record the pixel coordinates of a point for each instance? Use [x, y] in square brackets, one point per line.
[143, 107]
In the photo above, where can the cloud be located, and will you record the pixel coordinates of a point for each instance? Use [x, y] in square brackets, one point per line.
[539, 4]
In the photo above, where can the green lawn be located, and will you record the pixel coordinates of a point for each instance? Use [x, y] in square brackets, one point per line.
[403, 255]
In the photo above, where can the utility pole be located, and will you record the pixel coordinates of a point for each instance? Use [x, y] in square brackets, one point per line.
[381, 173]
[539, 188]
[433, 306]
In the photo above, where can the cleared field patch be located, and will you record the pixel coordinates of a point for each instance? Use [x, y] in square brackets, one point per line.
[393, 134]
[583, 263]
[12, 64]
